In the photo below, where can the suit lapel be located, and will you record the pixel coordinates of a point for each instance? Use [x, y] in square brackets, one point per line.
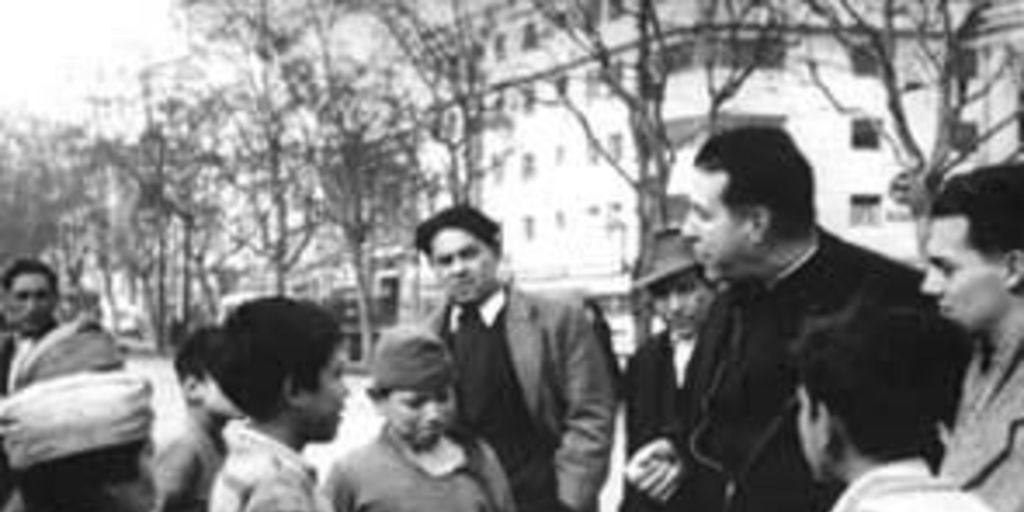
[983, 441]
[525, 344]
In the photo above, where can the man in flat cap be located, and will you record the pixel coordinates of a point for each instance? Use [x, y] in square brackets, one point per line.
[681, 296]
[532, 381]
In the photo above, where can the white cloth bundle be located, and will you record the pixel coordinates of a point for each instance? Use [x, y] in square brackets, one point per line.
[75, 414]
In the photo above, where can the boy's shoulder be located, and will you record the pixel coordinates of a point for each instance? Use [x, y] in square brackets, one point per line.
[254, 481]
[187, 464]
[368, 461]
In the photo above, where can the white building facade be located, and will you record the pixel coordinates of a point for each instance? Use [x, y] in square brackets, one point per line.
[569, 219]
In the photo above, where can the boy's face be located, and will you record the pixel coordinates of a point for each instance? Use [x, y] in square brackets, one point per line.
[205, 394]
[812, 423]
[320, 409]
[419, 418]
[683, 303]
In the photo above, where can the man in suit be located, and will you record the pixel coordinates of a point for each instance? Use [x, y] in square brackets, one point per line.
[656, 370]
[532, 382]
[754, 227]
[975, 251]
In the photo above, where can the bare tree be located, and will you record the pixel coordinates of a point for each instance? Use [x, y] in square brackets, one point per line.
[363, 141]
[915, 47]
[445, 52]
[267, 162]
[729, 40]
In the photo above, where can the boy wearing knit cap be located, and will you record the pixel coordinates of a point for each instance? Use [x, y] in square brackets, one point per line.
[417, 462]
[283, 367]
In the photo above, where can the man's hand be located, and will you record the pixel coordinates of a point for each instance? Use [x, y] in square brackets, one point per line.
[655, 470]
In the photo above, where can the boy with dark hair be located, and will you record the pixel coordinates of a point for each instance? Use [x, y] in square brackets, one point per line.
[872, 386]
[417, 462]
[186, 467]
[282, 367]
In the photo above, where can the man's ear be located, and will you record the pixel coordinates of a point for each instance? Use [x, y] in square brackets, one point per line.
[759, 220]
[191, 387]
[1015, 271]
[838, 437]
[291, 393]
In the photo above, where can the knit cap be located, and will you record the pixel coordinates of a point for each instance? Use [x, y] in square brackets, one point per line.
[413, 358]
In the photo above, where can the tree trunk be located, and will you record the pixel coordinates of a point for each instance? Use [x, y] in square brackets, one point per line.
[107, 286]
[186, 273]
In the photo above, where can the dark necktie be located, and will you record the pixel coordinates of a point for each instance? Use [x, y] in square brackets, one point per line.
[472, 363]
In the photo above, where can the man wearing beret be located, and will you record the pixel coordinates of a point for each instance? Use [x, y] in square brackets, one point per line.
[532, 381]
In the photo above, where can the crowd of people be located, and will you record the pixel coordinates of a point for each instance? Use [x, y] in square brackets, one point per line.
[791, 371]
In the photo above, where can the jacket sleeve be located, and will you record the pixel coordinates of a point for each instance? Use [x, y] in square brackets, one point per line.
[495, 480]
[582, 457]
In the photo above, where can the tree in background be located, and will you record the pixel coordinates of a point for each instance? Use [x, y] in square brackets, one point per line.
[728, 40]
[444, 48]
[917, 49]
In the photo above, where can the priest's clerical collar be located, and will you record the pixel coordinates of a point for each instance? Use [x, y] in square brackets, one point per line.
[796, 264]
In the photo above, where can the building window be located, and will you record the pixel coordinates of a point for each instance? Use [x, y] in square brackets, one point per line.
[529, 98]
[530, 41]
[529, 228]
[865, 133]
[864, 61]
[616, 72]
[498, 105]
[499, 47]
[498, 166]
[865, 210]
[679, 56]
[593, 84]
[560, 154]
[529, 167]
[752, 53]
[560, 19]
[616, 8]
[966, 63]
[511, 100]
[615, 146]
[562, 85]
[964, 136]
[593, 153]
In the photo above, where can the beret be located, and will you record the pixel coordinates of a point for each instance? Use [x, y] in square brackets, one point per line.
[462, 217]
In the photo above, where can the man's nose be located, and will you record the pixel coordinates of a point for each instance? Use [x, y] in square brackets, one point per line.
[931, 284]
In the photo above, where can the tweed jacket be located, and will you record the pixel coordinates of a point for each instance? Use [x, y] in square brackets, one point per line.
[985, 451]
[566, 386]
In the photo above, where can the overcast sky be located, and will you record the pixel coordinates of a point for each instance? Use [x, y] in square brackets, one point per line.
[57, 53]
